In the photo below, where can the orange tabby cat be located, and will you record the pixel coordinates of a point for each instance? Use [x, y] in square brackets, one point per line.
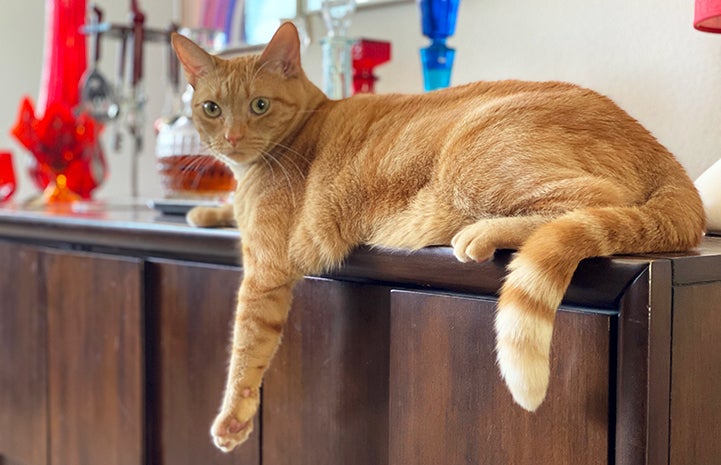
[554, 170]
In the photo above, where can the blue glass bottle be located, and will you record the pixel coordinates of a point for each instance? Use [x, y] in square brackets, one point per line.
[438, 22]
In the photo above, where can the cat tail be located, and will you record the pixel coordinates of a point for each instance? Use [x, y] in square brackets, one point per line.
[672, 219]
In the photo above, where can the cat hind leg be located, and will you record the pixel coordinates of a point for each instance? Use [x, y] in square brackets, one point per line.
[478, 241]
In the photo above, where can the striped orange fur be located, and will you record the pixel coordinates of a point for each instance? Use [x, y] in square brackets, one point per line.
[554, 170]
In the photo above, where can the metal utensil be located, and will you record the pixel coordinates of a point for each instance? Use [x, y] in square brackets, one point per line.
[135, 117]
[96, 94]
[120, 85]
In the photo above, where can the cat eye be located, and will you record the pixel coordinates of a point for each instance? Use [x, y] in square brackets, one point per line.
[259, 105]
[211, 109]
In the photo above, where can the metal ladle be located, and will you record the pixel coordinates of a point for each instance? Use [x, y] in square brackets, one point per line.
[96, 94]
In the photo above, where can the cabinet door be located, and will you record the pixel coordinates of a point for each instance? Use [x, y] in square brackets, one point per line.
[95, 361]
[23, 357]
[696, 375]
[325, 396]
[190, 315]
[449, 405]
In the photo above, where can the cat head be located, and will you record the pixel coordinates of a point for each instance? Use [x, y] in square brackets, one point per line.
[244, 107]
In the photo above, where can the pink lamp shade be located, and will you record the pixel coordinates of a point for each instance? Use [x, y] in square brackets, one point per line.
[707, 16]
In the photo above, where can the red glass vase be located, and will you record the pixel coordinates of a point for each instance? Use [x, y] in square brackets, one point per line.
[65, 54]
[69, 162]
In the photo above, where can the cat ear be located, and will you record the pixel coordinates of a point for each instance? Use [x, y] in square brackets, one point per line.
[283, 50]
[196, 61]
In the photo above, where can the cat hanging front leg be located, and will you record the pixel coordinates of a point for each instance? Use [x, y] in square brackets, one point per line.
[263, 304]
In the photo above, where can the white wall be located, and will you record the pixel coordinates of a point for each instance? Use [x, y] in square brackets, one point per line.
[644, 54]
[21, 45]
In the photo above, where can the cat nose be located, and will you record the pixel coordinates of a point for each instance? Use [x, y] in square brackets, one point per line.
[233, 137]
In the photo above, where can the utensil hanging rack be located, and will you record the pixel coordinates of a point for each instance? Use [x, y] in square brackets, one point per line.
[132, 38]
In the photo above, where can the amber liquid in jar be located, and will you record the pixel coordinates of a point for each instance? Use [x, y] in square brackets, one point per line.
[195, 176]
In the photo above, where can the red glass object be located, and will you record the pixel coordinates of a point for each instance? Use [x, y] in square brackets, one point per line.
[64, 55]
[367, 54]
[7, 176]
[69, 162]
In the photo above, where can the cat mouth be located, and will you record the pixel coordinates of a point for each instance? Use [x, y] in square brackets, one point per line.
[231, 158]
[237, 157]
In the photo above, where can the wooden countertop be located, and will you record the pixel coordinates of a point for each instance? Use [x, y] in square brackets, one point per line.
[138, 230]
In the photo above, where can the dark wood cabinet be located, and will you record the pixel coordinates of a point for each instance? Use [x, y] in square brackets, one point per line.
[328, 383]
[71, 380]
[23, 360]
[190, 310]
[449, 405]
[696, 377]
[114, 334]
[95, 358]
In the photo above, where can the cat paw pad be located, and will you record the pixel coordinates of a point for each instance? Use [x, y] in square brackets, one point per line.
[234, 423]
[228, 431]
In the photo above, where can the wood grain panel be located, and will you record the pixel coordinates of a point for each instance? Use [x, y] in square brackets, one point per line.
[643, 369]
[95, 359]
[189, 334]
[696, 375]
[325, 397]
[23, 361]
[449, 405]
[598, 282]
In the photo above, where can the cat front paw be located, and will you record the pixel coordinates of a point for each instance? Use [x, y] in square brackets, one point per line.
[234, 423]
[228, 431]
[210, 217]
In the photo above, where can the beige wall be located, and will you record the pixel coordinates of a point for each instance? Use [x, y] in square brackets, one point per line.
[644, 54]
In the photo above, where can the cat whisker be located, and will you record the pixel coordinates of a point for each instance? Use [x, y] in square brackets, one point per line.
[259, 69]
[267, 155]
[302, 155]
[291, 150]
[295, 164]
[269, 164]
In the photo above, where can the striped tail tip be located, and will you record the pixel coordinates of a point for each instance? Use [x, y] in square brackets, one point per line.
[523, 346]
[526, 374]
[524, 328]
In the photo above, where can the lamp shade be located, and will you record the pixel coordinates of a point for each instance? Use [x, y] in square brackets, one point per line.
[707, 16]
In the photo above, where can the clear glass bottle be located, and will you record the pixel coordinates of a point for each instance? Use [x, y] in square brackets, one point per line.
[336, 48]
